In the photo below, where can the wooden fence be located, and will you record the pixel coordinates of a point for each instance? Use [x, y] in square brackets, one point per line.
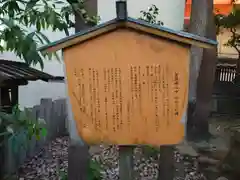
[55, 115]
[226, 96]
[225, 106]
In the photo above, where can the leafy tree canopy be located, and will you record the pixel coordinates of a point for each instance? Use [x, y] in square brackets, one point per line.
[151, 15]
[19, 17]
[230, 22]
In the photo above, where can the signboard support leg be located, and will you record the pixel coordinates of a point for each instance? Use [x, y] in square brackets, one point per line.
[166, 163]
[126, 162]
[78, 162]
[78, 154]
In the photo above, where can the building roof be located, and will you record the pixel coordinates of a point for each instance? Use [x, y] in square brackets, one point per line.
[15, 71]
[130, 23]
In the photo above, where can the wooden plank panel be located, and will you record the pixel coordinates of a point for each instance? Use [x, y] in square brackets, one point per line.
[116, 87]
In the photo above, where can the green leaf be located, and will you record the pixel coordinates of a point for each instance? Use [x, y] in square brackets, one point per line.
[38, 25]
[38, 137]
[30, 133]
[20, 15]
[16, 112]
[6, 118]
[150, 15]
[45, 38]
[42, 21]
[4, 134]
[14, 144]
[59, 2]
[44, 132]
[52, 17]
[25, 19]
[31, 4]
[94, 172]
[7, 22]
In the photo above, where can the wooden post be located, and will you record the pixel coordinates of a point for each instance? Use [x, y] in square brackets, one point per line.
[78, 155]
[125, 152]
[166, 164]
[126, 162]
[14, 96]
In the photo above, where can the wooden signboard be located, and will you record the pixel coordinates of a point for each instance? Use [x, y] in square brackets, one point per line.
[128, 97]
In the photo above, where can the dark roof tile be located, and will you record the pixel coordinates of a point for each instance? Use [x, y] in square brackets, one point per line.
[12, 70]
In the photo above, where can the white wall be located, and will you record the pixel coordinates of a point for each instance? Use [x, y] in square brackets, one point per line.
[171, 11]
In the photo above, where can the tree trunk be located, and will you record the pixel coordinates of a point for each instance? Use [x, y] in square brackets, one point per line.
[91, 7]
[79, 23]
[196, 126]
[205, 88]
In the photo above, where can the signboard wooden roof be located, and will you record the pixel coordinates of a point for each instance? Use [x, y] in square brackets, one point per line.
[128, 81]
[135, 24]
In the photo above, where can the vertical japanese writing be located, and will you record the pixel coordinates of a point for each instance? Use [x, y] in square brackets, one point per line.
[152, 83]
[90, 87]
[120, 98]
[106, 89]
[116, 89]
[131, 83]
[156, 98]
[112, 82]
[112, 98]
[97, 99]
[148, 79]
[128, 116]
[163, 92]
[167, 97]
[80, 91]
[139, 75]
[176, 96]
[135, 84]
[94, 96]
[83, 93]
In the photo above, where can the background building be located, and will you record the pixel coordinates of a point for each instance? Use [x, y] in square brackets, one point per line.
[221, 7]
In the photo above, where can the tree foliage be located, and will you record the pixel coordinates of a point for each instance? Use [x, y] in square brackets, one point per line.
[11, 124]
[22, 23]
[230, 22]
[151, 15]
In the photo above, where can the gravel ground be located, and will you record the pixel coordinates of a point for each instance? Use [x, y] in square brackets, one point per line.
[54, 158]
